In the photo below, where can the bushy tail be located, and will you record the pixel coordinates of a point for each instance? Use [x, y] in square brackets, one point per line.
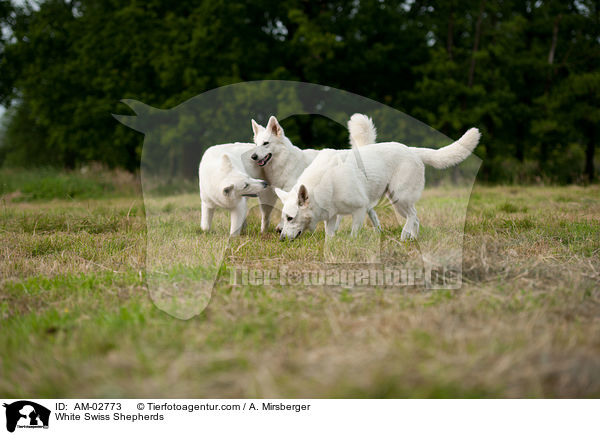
[452, 154]
[362, 130]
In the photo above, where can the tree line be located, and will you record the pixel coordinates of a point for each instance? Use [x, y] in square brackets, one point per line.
[525, 72]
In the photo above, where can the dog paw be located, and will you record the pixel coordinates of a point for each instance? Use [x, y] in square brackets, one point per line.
[407, 235]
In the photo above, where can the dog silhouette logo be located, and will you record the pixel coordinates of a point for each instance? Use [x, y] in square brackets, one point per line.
[184, 262]
[26, 414]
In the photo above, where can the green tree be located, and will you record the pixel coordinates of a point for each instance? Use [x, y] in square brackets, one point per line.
[523, 72]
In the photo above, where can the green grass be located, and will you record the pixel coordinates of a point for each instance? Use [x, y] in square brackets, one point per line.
[48, 183]
[76, 319]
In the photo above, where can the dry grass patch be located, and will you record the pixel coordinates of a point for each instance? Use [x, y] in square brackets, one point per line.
[76, 319]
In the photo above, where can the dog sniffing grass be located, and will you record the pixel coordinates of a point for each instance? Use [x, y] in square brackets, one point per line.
[76, 319]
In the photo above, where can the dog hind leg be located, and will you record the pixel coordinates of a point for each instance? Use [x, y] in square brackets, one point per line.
[405, 207]
[411, 228]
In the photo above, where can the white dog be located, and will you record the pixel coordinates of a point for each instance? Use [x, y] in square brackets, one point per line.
[225, 183]
[353, 181]
[283, 163]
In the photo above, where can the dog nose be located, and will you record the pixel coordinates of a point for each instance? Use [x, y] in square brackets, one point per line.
[265, 184]
[254, 156]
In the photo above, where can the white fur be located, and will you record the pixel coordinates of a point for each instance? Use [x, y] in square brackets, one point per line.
[452, 154]
[287, 162]
[362, 130]
[224, 183]
[353, 181]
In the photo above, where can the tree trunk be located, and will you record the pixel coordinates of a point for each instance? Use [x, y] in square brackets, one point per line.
[552, 52]
[543, 158]
[554, 40]
[476, 43]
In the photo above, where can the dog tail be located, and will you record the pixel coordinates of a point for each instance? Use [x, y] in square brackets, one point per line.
[362, 130]
[452, 154]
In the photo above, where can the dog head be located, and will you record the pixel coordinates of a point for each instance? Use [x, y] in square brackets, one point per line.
[269, 141]
[28, 416]
[298, 214]
[235, 183]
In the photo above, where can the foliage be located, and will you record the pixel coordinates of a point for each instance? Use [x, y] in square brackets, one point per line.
[526, 73]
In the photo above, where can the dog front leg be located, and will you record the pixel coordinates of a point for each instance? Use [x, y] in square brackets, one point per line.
[358, 218]
[207, 213]
[238, 217]
[267, 201]
[374, 218]
[331, 226]
[338, 222]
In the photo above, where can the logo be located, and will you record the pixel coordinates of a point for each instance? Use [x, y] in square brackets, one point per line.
[26, 414]
[181, 272]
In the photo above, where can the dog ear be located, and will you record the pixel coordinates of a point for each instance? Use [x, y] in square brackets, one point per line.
[227, 190]
[282, 194]
[274, 127]
[226, 163]
[255, 127]
[302, 196]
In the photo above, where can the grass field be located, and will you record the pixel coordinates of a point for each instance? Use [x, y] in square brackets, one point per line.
[76, 319]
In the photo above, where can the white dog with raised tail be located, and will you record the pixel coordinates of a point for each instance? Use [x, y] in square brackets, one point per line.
[353, 181]
[282, 163]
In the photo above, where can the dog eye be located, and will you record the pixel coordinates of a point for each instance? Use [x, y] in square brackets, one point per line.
[266, 142]
[289, 218]
[245, 185]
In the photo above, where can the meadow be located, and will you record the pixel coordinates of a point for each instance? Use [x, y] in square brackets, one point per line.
[76, 319]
